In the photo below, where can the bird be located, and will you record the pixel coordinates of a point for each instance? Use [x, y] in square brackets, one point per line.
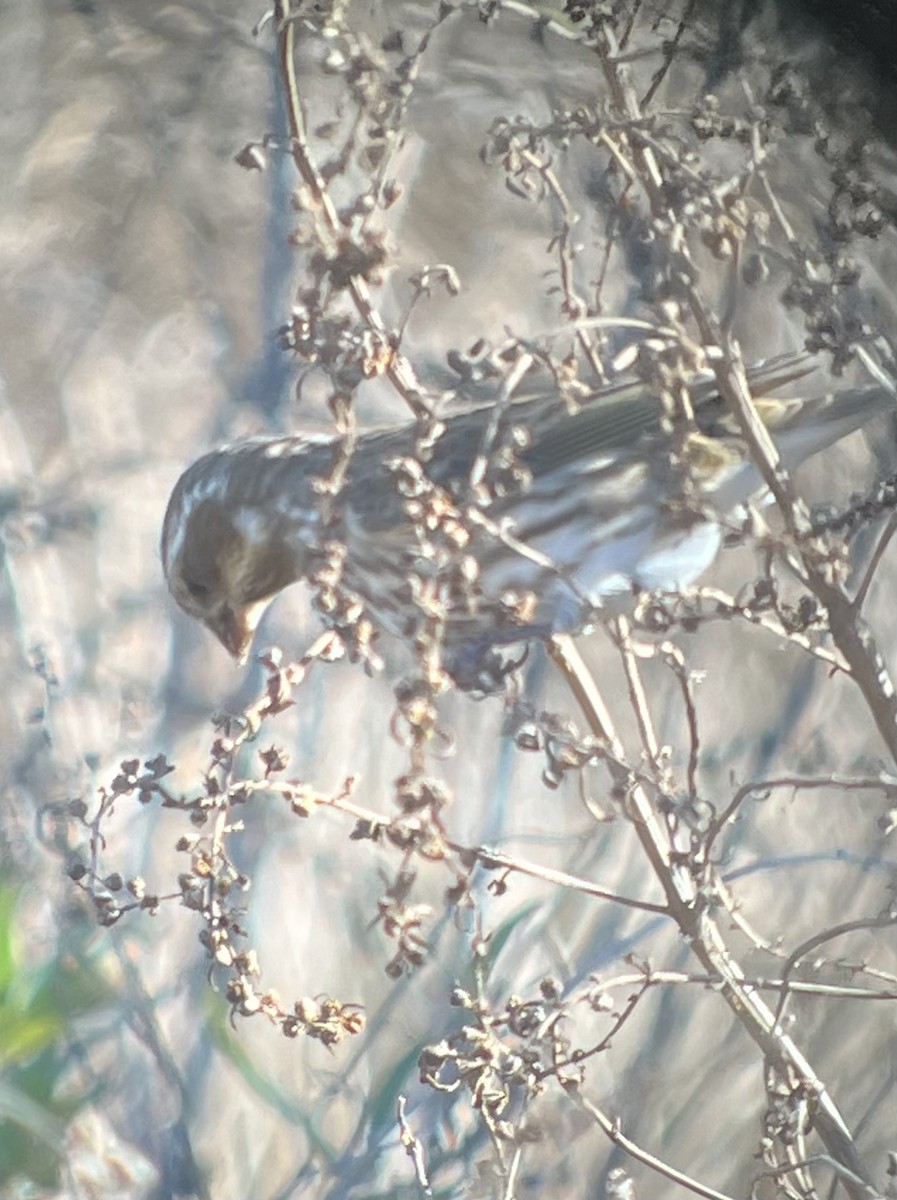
[506, 524]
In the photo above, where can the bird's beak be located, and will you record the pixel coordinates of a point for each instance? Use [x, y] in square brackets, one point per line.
[235, 628]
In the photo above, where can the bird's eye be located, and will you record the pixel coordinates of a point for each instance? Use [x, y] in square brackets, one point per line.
[199, 591]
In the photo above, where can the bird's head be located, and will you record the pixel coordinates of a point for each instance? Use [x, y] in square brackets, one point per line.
[223, 563]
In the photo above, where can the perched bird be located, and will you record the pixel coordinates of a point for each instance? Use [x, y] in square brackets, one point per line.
[523, 521]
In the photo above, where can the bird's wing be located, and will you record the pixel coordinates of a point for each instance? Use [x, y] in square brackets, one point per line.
[611, 426]
[613, 421]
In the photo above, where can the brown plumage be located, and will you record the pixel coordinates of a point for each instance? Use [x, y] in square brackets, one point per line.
[593, 510]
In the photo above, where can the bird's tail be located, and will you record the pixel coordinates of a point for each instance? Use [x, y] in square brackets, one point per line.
[802, 427]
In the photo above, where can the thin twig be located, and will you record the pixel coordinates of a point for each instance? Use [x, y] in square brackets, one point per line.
[800, 987]
[887, 921]
[842, 783]
[399, 369]
[619, 1138]
[881, 545]
[700, 930]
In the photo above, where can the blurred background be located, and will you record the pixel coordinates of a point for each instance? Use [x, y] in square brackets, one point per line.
[143, 278]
